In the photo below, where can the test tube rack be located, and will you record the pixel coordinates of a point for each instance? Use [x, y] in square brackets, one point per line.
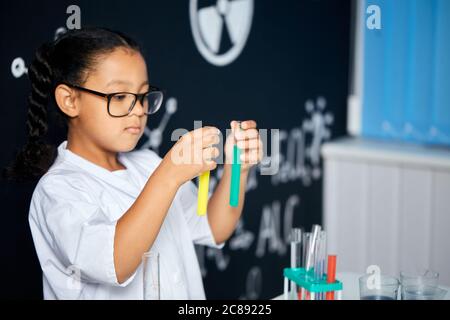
[305, 280]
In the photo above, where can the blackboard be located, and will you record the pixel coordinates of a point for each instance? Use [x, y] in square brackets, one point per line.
[288, 70]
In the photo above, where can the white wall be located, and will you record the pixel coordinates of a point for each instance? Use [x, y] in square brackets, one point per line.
[389, 205]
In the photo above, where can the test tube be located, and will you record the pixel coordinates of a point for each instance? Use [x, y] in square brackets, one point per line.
[312, 245]
[235, 175]
[311, 253]
[319, 264]
[324, 259]
[296, 255]
[316, 261]
[306, 237]
[203, 190]
[296, 249]
[305, 246]
[331, 274]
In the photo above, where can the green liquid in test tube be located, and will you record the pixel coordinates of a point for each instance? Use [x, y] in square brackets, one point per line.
[235, 176]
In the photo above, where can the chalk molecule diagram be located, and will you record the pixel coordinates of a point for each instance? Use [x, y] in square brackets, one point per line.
[317, 125]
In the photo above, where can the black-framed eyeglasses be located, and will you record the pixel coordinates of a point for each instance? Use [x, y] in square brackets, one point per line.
[120, 104]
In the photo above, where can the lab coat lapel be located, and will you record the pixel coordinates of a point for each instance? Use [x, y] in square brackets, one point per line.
[137, 173]
[101, 173]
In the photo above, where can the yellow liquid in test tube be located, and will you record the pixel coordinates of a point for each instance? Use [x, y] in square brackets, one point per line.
[203, 189]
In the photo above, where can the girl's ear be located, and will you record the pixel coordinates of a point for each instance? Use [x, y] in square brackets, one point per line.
[65, 99]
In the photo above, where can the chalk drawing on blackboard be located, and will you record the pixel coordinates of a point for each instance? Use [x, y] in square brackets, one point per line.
[222, 260]
[18, 65]
[209, 24]
[270, 234]
[59, 32]
[253, 284]
[300, 147]
[270, 231]
[242, 239]
[317, 125]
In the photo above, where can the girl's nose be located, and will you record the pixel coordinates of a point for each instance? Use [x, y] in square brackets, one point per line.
[138, 108]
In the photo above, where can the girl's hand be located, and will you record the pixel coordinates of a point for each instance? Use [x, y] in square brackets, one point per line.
[193, 154]
[248, 140]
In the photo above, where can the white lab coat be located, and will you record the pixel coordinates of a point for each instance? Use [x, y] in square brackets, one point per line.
[73, 213]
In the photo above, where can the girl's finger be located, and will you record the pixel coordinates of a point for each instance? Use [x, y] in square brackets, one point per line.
[248, 144]
[210, 153]
[249, 124]
[246, 134]
[250, 157]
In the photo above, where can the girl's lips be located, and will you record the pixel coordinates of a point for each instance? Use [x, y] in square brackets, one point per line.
[133, 130]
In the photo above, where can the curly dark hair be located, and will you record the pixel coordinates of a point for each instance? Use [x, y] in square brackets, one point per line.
[68, 59]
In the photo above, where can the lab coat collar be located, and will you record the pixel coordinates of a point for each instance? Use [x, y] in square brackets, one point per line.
[102, 173]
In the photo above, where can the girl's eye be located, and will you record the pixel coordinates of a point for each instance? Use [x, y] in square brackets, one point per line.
[119, 97]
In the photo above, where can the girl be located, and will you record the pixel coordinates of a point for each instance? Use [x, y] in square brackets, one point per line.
[99, 205]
